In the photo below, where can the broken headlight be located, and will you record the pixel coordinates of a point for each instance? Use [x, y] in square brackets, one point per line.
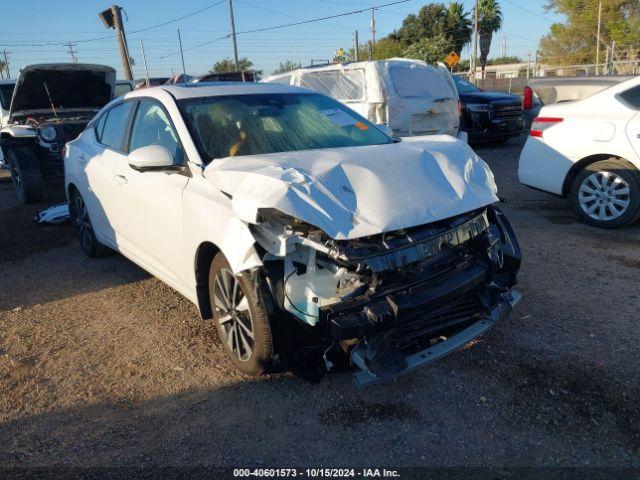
[47, 132]
[290, 225]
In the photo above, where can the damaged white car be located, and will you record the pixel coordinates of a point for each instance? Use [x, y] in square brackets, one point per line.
[304, 231]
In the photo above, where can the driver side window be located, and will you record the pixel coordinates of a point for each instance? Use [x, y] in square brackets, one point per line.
[151, 126]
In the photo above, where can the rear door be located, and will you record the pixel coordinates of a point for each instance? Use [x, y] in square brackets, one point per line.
[95, 166]
[631, 99]
[423, 101]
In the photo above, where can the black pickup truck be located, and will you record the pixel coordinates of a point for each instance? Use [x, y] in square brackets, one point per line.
[488, 116]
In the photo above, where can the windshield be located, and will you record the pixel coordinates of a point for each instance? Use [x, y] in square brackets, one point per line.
[463, 86]
[6, 92]
[228, 126]
[420, 82]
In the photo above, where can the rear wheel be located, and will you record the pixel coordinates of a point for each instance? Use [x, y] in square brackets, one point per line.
[241, 319]
[84, 229]
[606, 194]
[26, 175]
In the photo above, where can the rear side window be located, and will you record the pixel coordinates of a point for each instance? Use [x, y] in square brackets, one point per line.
[631, 97]
[343, 85]
[419, 82]
[115, 125]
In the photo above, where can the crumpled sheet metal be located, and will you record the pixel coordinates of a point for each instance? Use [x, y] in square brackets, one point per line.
[360, 191]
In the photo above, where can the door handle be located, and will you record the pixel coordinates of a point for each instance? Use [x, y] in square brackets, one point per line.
[122, 179]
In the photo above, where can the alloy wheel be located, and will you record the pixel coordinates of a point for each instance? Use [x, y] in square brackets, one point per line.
[83, 223]
[234, 316]
[604, 196]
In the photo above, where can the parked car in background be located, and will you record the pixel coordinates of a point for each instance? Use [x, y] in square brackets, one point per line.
[153, 82]
[589, 151]
[294, 223]
[240, 76]
[124, 86]
[489, 116]
[539, 92]
[410, 96]
[6, 92]
[51, 104]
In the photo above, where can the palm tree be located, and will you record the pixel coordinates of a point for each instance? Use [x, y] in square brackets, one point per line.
[489, 22]
[459, 26]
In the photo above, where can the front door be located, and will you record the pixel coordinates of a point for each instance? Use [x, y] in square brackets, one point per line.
[150, 202]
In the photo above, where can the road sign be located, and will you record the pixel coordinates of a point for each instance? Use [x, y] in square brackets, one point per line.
[452, 59]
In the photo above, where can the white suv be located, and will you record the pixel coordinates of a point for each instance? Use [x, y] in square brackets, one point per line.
[302, 229]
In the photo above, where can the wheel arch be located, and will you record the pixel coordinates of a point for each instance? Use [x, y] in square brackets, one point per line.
[581, 164]
[202, 263]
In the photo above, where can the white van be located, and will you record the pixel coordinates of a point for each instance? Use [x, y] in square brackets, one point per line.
[410, 96]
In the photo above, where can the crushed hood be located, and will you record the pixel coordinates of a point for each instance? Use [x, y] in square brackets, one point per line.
[71, 86]
[360, 191]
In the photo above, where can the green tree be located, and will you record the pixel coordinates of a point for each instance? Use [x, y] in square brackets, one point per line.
[430, 50]
[436, 21]
[287, 66]
[459, 26]
[228, 65]
[386, 48]
[504, 60]
[574, 42]
[3, 69]
[489, 22]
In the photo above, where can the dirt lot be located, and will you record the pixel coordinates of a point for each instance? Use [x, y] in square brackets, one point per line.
[101, 364]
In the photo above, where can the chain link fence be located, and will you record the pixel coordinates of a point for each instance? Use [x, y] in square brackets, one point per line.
[512, 78]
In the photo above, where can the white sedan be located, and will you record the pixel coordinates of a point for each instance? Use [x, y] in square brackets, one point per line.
[304, 231]
[589, 151]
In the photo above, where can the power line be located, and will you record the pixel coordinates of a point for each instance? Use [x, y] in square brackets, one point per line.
[46, 44]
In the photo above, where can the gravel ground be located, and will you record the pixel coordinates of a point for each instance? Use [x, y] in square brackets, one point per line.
[101, 364]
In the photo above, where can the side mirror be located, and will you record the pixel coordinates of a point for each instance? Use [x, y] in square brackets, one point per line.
[151, 157]
[386, 129]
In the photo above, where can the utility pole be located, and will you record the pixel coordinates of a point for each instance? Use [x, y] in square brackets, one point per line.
[612, 59]
[528, 63]
[6, 63]
[504, 46]
[122, 41]
[72, 52]
[233, 35]
[112, 18]
[357, 46]
[146, 69]
[373, 32]
[598, 39]
[474, 55]
[184, 71]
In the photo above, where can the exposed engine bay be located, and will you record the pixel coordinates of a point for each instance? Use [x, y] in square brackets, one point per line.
[51, 134]
[392, 301]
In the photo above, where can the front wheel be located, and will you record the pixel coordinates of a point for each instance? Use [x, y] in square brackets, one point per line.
[241, 319]
[606, 194]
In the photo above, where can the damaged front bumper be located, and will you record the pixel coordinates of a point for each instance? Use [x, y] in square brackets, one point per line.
[411, 296]
[366, 356]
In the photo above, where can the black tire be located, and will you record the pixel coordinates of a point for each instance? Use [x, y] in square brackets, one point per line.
[252, 356]
[84, 228]
[26, 175]
[608, 194]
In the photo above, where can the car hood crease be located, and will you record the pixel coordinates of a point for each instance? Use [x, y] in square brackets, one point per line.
[355, 192]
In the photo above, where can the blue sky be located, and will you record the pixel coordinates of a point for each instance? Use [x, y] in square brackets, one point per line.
[27, 24]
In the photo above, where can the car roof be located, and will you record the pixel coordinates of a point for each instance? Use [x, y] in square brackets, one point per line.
[215, 89]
